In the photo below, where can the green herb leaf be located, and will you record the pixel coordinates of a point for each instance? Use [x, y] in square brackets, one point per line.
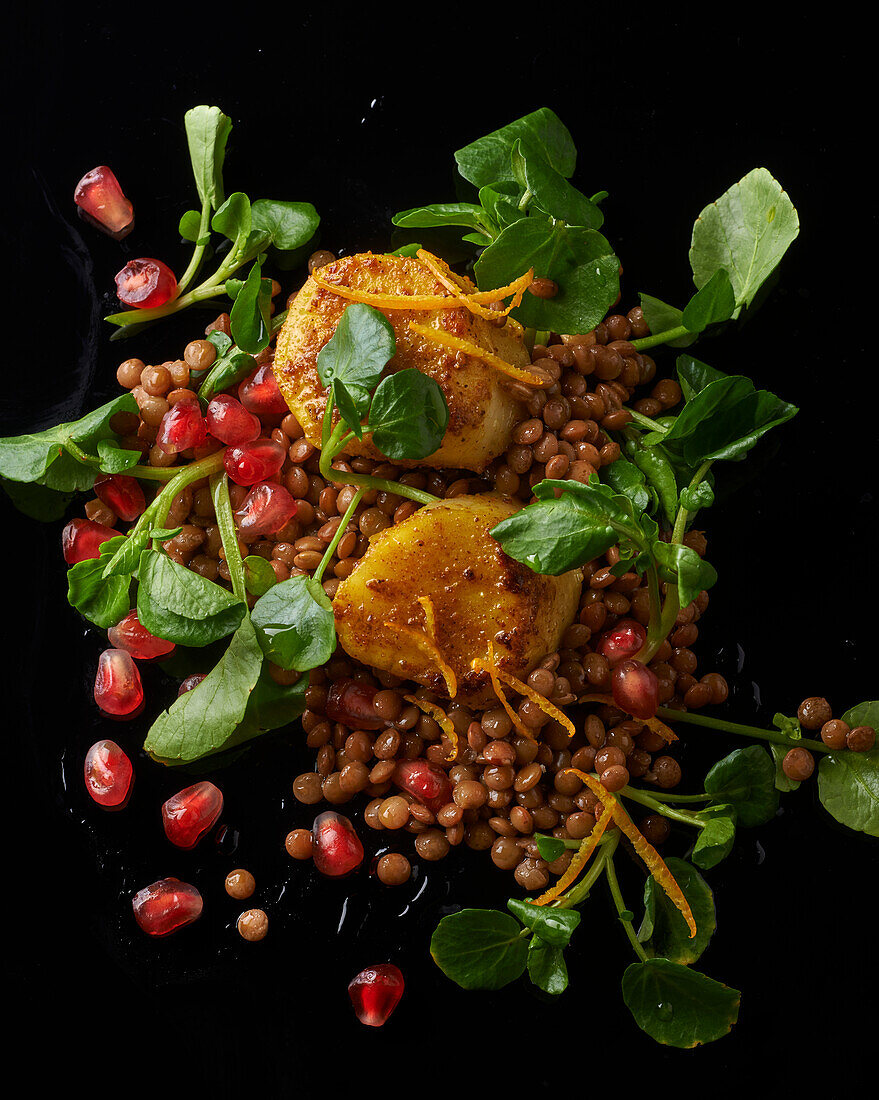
[249, 316]
[259, 576]
[356, 354]
[408, 416]
[664, 932]
[684, 568]
[714, 303]
[488, 159]
[102, 602]
[228, 370]
[207, 131]
[848, 787]
[658, 471]
[290, 225]
[677, 1006]
[234, 219]
[116, 460]
[695, 497]
[546, 966]
[716, 839]
[182, 607]
[661, 317]
[294, 624]
[37, 501]
[624, 477]
[270, 706]
[189, 226]
[441, 213]
[480, 948]
[553, 926]
[745, 232]
[164, 533]
[791, 727]
[745, 780]
[552, 192]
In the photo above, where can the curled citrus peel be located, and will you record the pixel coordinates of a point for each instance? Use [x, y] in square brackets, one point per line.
[581, 858]
[467, 347]
[490, 666]
[539, 700]
[655, 724]
[440, 717]
[467, 298]
[425, 640]
[656, 865]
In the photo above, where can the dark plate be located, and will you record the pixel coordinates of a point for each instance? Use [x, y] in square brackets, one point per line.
[362, 118]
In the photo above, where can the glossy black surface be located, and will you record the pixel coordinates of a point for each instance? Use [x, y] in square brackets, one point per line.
[362, 118]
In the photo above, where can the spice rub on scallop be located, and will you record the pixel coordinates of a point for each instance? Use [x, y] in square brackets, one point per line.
[482, 408]
[435, 599]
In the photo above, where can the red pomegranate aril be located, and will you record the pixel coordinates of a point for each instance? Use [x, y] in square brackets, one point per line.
[190, 813]
[181, 428]
[118, 690]
[258, 460]
[166, 905]
[375, 993]
[336, 847]
[123, 494]
[428, 784]
[230, 422]
[99, 196]
[146, 283]
[635, 689]
[81, 540]
[260, 394]
[130, 634]
[190, 682]
[108, 775]
[624, 640]
[266, 509]
[350, 702]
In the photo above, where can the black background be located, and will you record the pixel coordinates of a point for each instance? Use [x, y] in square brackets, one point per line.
[361, 114]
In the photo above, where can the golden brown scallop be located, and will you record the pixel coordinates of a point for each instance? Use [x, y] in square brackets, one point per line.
[482, 411]
[476, 595]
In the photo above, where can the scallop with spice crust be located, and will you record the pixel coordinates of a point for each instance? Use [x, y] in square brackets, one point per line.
[482, 411]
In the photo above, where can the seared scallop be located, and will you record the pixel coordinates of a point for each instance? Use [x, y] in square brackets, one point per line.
[482, 410]
[436, 592]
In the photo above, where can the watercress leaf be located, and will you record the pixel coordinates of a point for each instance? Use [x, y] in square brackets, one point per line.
[715, 302]
[488, 159]
[164, 533]
[552, 192]
[294, 624]
[234, 218]
[666, 933]
[697, 496]
[37, 501]
[190, 226]
[182, 607]
[624, 477]
[271, 705]
[685, 568]
[745, 780]
[233, 287]
[848, 787]
[480, 948]
[347, 407]
[654, 464]
[550, 847]
[207, 131]
[546, 966]
[745, 232]
[694, 375]
[441, 213]
[408, 416]
[220, 340]
[115, 460]
[677, 1006]
[661, 317]
[717, 836]
[554, 926]
[230, 369]
[791, 727]
[249, 316]
[500, 201]
[863, 714]
[357, 353]
[407, 249]
[259, 576]
[205, 720]
[579, 260]
[479, 239]
[126, 559]
[289, 225]
[102, 602]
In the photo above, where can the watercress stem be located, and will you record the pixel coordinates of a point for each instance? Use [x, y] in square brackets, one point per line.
[680, 526]
[654, 804]
[580, 891]
[645, 342]
[647, 422]
[340, 531]
[775, 736]
[198, 252]
[153, 473]
[335, 444]
[621, 909]
[219, 485]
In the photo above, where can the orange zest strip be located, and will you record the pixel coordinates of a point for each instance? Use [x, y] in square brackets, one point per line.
[490, 667]
[423, 642]
[445, 668]
[539, 700]
[581, 858]
[449, 280]
[467, 347]
[440, 717]
[655, 863]
[655, 724]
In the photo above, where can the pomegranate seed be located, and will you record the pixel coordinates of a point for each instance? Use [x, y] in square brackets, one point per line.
[260, 395]
[350, 702]
[81, 540]
[256, 461]
[189, 814]
[230, 422]
[100, 198]
[375, 993]
[181, 428]
[622, 641]
[131, 635]
[145, 283]
[190, 682]
[108, 774]
[635, 689]
[118, 690]
[266, 509]
[423, 781]
[166, 905]
[123, 494]
[336, 848]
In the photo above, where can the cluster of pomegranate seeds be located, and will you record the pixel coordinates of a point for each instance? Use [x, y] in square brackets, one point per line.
[260, 394]
[108, 775]
[190, 682]
[181, 428]
[266, 509]
[336, 847]
[190, 813]
[118, 689]
[146, 283]
[350, 702]
[258, 460]
[230, 422]
[166, 905]
[81, 540]
[123, 494]
[130, 634]
[100, 198]
[635, 689]
[375, 992]
[623, 641]
[427, 784]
